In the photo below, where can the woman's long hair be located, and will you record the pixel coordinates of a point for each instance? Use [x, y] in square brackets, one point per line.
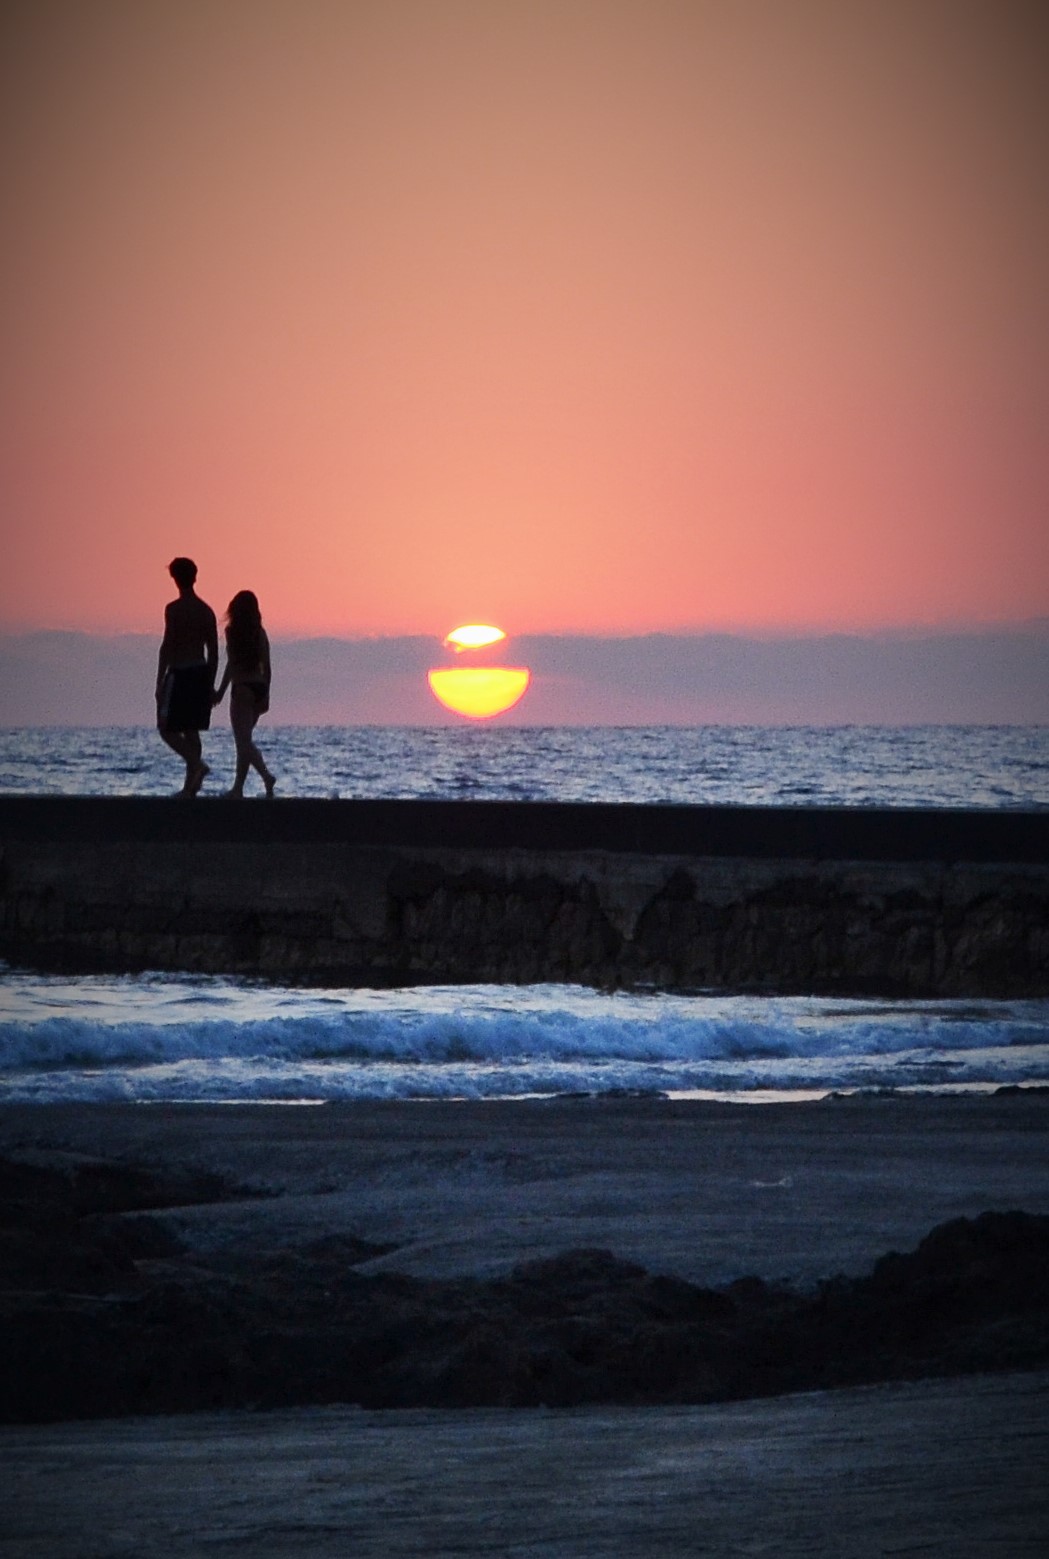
[243, 627]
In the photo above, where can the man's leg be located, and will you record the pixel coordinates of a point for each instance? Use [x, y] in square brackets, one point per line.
[196, 769]
[187, 745]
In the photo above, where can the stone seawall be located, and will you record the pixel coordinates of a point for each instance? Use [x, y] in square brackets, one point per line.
[790, 900]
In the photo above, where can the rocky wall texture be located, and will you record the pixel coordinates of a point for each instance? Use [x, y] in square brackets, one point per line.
[321, 912]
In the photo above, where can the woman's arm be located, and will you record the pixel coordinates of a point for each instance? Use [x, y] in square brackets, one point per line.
[216, 697]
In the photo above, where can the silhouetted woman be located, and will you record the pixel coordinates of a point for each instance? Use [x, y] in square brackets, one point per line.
[247, 675]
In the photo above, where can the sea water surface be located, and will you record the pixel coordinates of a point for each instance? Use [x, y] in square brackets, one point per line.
[155, 1037]
[938, 766]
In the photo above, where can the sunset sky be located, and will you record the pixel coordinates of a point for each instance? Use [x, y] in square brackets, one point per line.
[575, 316]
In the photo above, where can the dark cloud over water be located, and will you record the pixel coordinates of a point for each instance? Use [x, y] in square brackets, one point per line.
[992, 677]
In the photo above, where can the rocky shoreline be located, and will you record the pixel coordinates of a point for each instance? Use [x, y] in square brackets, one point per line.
[106, 1311]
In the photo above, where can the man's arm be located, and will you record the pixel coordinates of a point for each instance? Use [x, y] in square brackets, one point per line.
[164, 656]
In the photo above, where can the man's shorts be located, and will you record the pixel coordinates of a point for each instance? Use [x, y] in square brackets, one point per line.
[185, 699]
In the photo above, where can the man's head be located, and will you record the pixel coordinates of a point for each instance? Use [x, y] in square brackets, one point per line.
[184, 572]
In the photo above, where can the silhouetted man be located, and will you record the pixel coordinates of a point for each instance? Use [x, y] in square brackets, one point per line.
[186, 666]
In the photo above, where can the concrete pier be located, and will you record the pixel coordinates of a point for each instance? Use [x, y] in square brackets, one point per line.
[848, 901]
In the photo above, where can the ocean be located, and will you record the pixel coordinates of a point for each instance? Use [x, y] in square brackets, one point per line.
[165, 1038]
[910, 766]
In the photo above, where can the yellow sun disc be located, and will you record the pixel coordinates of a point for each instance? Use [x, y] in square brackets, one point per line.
[473, 637]
[479, 691]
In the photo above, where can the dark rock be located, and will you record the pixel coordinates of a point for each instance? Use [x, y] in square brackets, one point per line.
[79, 1186]
[94, 1327]
[63, 1261]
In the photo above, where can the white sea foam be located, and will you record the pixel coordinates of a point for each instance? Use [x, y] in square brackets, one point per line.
[155, 1037]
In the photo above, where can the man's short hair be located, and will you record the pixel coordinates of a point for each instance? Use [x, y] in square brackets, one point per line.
[183, 571]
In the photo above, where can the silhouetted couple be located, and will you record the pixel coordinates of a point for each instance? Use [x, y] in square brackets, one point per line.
[186, 666]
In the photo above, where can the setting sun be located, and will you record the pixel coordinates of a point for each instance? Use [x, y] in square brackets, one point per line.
[474, 636]
[479, 690]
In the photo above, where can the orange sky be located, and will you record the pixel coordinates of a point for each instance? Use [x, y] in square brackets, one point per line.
[570, 315]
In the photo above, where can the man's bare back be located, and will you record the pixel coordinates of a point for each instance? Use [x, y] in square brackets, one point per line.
[190, 634]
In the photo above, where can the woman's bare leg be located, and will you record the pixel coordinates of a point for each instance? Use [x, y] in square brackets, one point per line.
[242, 718]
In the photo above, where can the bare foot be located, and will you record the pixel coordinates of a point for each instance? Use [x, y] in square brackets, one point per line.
[200, 774]
[233, 795]
[270, 784]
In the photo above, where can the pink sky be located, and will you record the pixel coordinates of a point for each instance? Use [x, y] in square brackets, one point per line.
[577, 316]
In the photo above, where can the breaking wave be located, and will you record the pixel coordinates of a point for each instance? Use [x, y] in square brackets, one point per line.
[157, 1037]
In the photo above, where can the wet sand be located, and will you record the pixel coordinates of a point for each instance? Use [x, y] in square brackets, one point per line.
[709, 1192]
[944, 1469]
